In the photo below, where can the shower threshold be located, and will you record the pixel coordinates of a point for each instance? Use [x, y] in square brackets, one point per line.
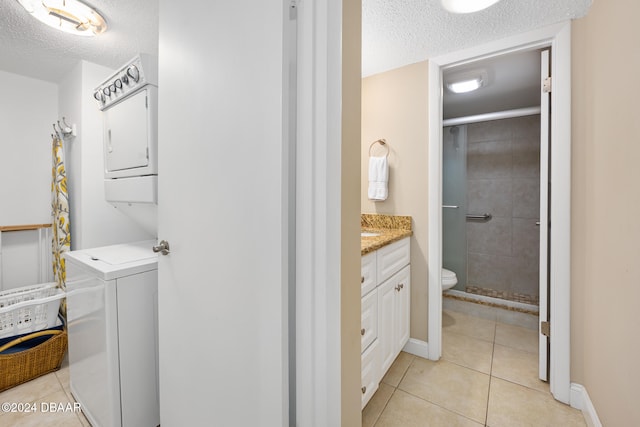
[492, 301]
[505, 295]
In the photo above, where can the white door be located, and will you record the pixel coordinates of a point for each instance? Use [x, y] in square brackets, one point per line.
[545, 110]
[222, 291]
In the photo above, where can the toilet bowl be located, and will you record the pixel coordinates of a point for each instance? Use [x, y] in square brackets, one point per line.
[449, 279]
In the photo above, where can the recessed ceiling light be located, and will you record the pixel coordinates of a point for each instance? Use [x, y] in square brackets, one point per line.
[70, 16]
[467, 6]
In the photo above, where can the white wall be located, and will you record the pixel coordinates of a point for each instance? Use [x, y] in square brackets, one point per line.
[28, 108]
[94, 222]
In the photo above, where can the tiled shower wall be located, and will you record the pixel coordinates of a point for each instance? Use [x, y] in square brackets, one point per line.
[503, 179]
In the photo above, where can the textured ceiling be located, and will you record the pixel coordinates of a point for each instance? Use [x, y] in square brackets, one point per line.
[401, 32]
[30, 48]
[395, 33]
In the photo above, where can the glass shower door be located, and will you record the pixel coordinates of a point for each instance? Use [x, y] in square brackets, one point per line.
[454, 202]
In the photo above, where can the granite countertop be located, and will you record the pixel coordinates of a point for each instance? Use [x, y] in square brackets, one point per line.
[389, 229]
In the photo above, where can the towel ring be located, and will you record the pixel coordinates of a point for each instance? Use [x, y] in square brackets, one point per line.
[382, 142]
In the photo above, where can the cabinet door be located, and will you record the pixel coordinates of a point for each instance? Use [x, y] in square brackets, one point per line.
[369, 319]
[403, 306]
[386, 323]
[370, 371]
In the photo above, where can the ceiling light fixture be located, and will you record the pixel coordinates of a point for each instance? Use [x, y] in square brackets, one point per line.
[467, 6]
[465, 86]
[70, 16]
[467, 81]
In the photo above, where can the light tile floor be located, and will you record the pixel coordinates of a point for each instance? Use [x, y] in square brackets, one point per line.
[49, 400]
[487, 376]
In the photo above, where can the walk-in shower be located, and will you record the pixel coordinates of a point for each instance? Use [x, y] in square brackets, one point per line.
[491, 204]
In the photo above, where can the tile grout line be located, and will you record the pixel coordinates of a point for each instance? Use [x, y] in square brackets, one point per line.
[460, 334]
[395, 388]
[69, 395]
[384, 408]
[439, 405]
[493, 351]
[413, 359]
[435, 404]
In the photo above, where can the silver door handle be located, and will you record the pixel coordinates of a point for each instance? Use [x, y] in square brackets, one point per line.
[162, 247]
[450, 206]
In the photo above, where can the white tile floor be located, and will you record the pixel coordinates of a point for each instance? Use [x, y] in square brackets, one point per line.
[487, 376]
[49, 400]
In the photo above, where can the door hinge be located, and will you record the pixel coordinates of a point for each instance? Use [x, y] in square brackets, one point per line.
[545, 329]
[546, 85]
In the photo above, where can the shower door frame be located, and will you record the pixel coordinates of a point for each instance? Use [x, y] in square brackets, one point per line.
[558, 37]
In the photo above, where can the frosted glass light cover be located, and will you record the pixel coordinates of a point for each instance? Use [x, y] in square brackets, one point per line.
[465, 86]
[466, 6]
[70, 16]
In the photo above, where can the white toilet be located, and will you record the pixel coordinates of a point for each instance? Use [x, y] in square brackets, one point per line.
[449, 279]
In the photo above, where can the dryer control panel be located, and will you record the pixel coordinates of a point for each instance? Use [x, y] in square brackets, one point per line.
[136, 74]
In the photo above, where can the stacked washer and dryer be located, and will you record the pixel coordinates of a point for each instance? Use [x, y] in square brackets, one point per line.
[112, 291]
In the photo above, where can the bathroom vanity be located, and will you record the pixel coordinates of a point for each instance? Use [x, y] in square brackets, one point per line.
[385, 291]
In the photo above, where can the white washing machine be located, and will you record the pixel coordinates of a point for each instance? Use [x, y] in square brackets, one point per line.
[112, 313]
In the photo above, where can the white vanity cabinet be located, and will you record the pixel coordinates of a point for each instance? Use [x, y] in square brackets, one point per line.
[385, 283]
[393, 316]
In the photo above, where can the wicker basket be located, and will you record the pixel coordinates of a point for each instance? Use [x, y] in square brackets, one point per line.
[23, 366]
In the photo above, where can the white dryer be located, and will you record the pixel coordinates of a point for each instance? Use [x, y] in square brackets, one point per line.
[112, 312]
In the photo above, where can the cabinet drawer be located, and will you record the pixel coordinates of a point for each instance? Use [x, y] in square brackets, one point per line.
[368, 280]
[392, 258]
[369, 319]
[370, 372]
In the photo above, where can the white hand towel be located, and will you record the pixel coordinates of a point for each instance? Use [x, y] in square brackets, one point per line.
[378, 178]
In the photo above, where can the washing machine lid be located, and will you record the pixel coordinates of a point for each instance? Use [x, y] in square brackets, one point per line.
[111, 262]
[123, 254]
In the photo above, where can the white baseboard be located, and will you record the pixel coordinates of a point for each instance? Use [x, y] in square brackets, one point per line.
[580, 400]
[417, 348]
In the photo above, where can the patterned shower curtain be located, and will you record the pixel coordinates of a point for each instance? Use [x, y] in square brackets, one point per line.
[60, 212]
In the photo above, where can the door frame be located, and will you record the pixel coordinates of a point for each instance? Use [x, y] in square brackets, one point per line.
[318, 393]
[558, 37]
